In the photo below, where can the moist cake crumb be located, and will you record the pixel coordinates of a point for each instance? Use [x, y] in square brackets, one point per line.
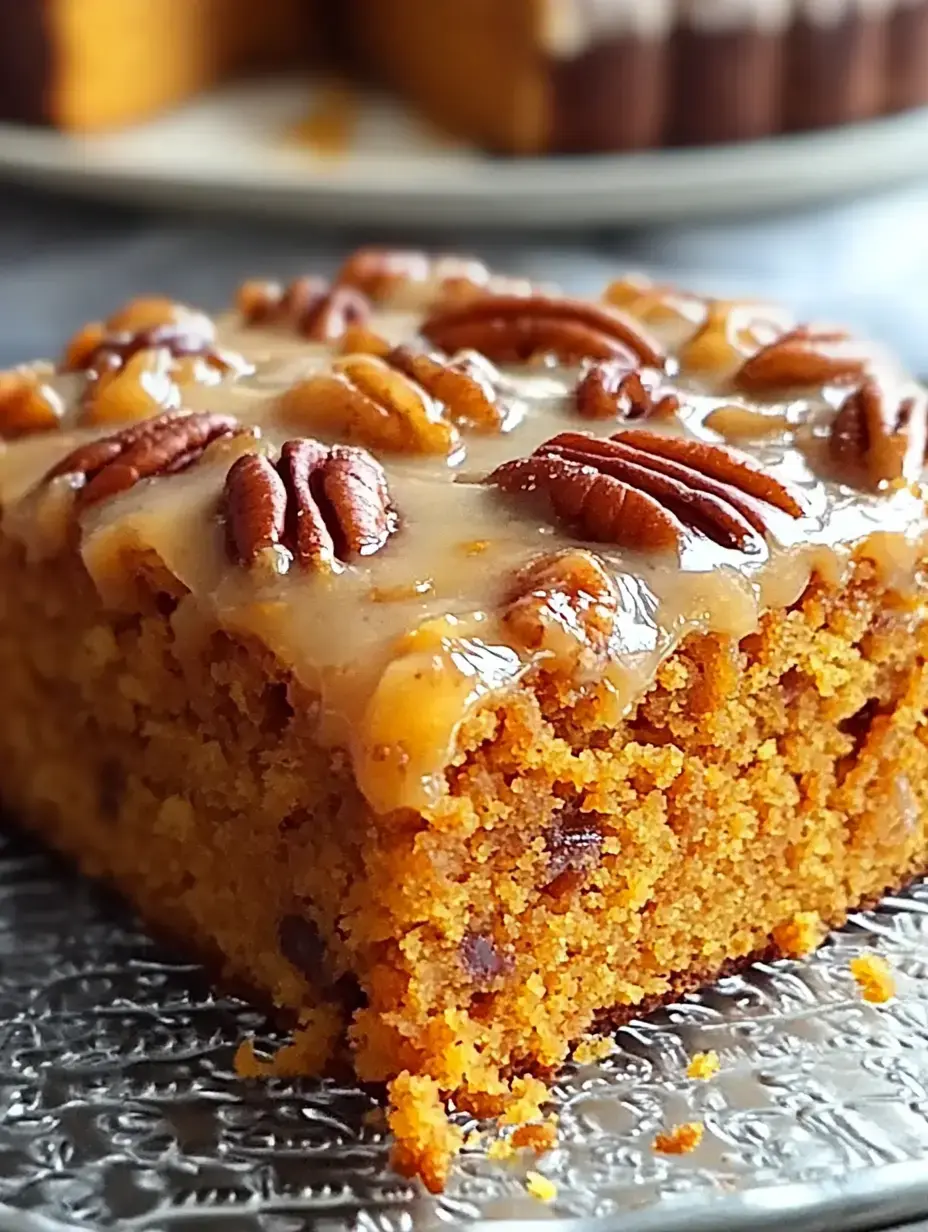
[703, 1065]
[670, 721]
[874, 977]
[539, 1138]
[526, 1101]
[680, 1139]
[424, 1140]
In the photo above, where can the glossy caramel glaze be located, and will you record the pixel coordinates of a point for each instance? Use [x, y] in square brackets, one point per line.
[403, 645]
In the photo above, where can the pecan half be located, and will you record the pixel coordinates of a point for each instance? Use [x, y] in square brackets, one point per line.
[160, 446]
[27, 405]
[467, 385]
[137, 318]
[608, 390]
[132, 375]
[879, 434]
[563, 606]
[369, 402]
[114, 351]
[308, 306]
[324, 504]
[805, 357]
[394, 274]
[644, 491]
[515, 328]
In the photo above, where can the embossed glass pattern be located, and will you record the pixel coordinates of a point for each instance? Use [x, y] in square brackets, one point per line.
[119, 1107]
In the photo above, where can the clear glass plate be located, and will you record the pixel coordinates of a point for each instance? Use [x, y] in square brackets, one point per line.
[119, 1107]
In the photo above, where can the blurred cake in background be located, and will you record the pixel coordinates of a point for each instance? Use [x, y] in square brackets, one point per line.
[517, 76]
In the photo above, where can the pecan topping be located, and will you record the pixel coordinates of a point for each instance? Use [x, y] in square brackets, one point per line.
[133, 373]
[308, 306]
[608, 390]
[466, 385]
[391, 274]
[653, 302]
[515, 328]
[368, 401]
[26, 404]
[160, 446]
[731, 332]
[805, 356]
[644, 491]
[563, 607]
[878, 434]
[324, 504]
[114, 351]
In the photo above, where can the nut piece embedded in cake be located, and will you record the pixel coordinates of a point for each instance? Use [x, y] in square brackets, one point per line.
[324, 504]
[879, 433]
[161, 446]
[513, 328]
[646, 492]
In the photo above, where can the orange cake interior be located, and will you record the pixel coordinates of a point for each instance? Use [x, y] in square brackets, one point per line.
[460, 667]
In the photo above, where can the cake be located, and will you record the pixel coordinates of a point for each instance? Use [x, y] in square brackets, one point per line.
[460, 668]
[519, 76]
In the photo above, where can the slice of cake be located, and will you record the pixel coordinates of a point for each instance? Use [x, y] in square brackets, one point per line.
[92, 64]
[462, 667]
[517, 76]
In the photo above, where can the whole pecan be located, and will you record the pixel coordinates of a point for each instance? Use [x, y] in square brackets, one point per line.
[608, 390]
[514, 328]
[161, 446]
[324, 504]
[369, 402]
[563, 606]
[308, 305]
[644, 491]
[879, 432]
[465, 385]
[805, 357]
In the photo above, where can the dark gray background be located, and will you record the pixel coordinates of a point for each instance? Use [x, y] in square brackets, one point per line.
[64, 261]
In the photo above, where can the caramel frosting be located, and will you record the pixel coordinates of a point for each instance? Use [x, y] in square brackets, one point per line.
[464, 483]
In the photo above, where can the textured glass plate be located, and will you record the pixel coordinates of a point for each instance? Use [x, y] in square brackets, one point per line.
[119, 1108]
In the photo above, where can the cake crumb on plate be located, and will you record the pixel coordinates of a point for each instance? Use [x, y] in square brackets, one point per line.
[540, 1187]
[703, 1065]
[680, 1139]
[874, 978]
